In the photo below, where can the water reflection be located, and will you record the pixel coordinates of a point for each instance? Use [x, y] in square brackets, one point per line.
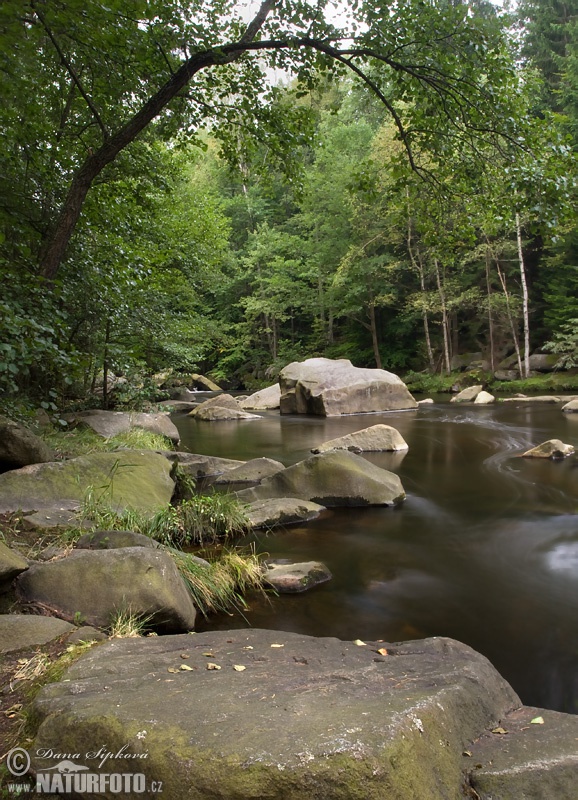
[485, 549]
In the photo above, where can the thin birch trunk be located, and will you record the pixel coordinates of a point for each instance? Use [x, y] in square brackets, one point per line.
[524, 298]
[447, 359]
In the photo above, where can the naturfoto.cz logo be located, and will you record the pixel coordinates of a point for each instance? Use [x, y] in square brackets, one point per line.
[67, 776]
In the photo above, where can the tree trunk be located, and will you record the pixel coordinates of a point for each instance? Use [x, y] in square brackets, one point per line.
[447, 358]
[374, 340]
[105, 365]
[502, 278]
[57, 242]
[524, 298]
[490, 317]
[418, 266]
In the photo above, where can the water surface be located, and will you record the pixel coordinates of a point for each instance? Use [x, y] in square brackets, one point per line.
[485, 548]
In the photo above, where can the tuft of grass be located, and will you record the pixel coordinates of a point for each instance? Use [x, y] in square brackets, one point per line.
[82, 441]
[222, 584]
[201, 520]
[126, 624]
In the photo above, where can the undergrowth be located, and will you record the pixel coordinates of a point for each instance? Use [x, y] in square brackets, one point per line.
[83, 441]
[200, 520]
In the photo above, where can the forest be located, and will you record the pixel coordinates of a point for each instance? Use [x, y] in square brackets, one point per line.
[225, 188]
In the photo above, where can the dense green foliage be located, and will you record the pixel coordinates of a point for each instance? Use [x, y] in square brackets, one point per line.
[402, 196]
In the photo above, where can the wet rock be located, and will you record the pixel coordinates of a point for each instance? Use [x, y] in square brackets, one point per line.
[374, 439]
[306, 718]
[281, 511]
[467, 395]
[329, 387]
[19, 447]
[96, 584]
[426, 401]
[291, 578]
[124, 479]
[571, 407]
[19, 631]
[336, 478]
[269, 398]
[553, 448]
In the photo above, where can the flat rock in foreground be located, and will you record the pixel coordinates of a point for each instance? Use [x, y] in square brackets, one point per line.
[328, 387]
[306, 717]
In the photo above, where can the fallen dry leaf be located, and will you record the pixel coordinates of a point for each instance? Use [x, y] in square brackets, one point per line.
[173, 669]
[185, 655]
[277, 645]
[382, 651]
[358, 642]
[239, 667]
[186, 668]
[501, 731]
[210, 665]
[537, 721]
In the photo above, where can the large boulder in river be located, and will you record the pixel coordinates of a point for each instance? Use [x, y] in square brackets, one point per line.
[378, 438]
[96, 584]
[111, 423]
[270, 714]
[221, 407]
[251, 472]
[19, 447]
[571, 407]
[124, 479]
[337, 478]
[329, 387]
[263, 400]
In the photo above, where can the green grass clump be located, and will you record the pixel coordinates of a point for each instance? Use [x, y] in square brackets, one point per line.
[126, 624]
[81, 441]
[222, 584]
[551, 383]
[201, 520]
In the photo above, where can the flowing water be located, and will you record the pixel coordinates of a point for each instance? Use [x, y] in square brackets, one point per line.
[484, 549]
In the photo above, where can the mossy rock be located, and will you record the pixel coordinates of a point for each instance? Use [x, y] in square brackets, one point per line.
[306, 718]
[125, 479]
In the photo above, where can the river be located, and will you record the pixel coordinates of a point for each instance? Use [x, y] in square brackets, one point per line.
[484, 549]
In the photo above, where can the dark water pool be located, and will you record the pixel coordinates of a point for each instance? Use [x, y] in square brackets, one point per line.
[485, 548]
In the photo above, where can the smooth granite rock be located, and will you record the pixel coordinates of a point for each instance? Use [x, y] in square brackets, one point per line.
[374, 439]
[19, 631]
[286, 717]
[93, 585]
[329, 387]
